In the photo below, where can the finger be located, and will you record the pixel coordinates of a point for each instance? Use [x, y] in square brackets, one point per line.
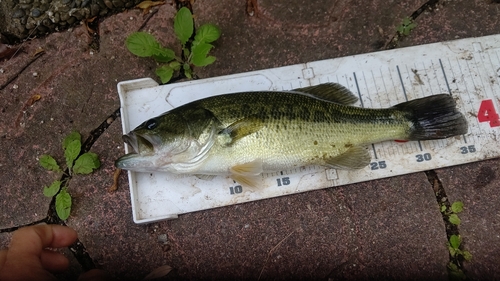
[3, 257]
[54, 261]
[30, 241]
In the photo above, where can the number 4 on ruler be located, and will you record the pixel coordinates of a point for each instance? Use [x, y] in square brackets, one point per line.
[487, 113]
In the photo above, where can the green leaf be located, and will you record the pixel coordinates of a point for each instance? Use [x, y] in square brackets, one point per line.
[63, 204]
[452, 251]
[183, 24]
[199, 54]
[455, 272]
[186, 52]
[52, 189]
[71, 137]
[187, 70]
[49, 163]
[452, 266]
[143, 44]
[164, 55]
[72, 151]
[86, 163]
[206, 33]
[165, 73]
[455, 241]
[454, 219]
[457, 207]
[443, 209]
[175, 65]
[467, 255]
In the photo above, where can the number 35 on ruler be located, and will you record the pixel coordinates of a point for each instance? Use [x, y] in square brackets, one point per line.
[488, 113]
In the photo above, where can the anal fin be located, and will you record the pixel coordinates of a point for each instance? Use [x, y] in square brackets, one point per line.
[356, 157]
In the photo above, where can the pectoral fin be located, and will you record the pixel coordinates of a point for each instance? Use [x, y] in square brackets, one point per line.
[356, 157]
[332, 92]
[242, 128]
[248, 174]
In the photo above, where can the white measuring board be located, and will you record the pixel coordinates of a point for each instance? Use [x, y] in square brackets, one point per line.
[468, 69]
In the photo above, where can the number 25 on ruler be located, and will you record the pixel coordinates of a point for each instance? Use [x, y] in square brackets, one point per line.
[488, 113]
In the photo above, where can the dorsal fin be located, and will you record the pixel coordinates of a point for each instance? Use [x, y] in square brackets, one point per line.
[332, 92]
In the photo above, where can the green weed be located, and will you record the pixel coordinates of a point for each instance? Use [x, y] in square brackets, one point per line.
[406, 26]
[83, 164]
[143, 44]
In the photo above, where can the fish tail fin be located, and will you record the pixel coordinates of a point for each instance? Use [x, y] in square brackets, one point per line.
[434, 117]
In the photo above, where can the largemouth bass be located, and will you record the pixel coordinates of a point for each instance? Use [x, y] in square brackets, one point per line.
[243, 135]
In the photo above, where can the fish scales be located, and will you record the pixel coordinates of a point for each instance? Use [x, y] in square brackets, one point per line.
[299, 130]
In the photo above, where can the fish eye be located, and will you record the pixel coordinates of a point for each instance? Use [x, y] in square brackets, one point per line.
[151, 124]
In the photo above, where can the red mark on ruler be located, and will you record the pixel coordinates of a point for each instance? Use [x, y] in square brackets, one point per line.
[488, 113]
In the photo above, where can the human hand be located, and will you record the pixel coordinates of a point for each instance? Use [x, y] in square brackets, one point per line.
[28, 258]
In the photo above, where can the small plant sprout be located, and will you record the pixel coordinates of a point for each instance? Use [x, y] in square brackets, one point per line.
[84, 164]
[194, 53]
[452, 213]
[454, 243]
[406, 26]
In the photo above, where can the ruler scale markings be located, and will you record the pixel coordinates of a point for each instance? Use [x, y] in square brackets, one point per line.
[371, 105]
[386, 146]
[368, 97]
[357, 87]
[409, 89]
[429, 145]
[374, 152]
[408, 144]
[445, 78]
[483, 132]
[481, 77]
[435, 78]
[428, 72]
[436, 72]
[448, 87]
[402, 84]
[421, 86]
[464, 105]
[472, 109]
[442, 143]
[377, 91]
[406, 97]
[496, 72]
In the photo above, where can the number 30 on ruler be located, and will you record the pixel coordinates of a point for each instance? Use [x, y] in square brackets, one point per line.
[488, 113]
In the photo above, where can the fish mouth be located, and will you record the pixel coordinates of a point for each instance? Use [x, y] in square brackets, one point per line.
[141, 148]
[144, 145]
